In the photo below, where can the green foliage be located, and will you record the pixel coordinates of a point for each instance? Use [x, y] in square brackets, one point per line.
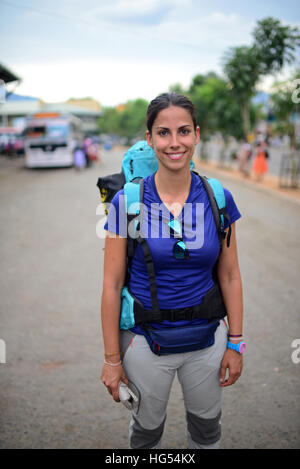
[241, 67]
[274, 46]
[128, 120]
[216, 109]
[109, 121]
[223, 104]
[283, 106]
[176, 88]
[133, 118]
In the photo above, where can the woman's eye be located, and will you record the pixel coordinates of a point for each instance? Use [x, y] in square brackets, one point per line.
[185, 131]
[162, 133]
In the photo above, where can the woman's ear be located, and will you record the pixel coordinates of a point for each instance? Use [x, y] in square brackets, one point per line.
[149, 139]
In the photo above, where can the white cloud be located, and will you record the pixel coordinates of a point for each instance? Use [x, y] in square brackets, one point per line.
[219, 17]
[120, 61]
[216, 30]
[185, 24]
[176, 50]
[110, 82]
[156, 11]
[127, 7]
[113, 11]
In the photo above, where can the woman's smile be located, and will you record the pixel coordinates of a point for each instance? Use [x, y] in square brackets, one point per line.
[175, 156]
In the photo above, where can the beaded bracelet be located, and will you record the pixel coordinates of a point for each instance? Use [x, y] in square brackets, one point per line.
[111, 354]
[112, 364]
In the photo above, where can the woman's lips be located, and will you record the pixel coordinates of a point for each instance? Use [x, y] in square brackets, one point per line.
[175, 156]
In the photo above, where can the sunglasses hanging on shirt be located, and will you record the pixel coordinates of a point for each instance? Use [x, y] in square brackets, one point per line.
[180, 250]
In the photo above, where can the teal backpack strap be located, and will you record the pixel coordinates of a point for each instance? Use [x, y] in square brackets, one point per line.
[133, 192]
[219, 195]
[216, 195]
[132, 198]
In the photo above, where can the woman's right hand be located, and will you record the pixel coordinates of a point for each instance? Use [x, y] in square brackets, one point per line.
[111, 377]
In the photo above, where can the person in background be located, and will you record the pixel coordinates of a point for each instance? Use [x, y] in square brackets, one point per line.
[260, 164]
[86, 145]
[244, 156]
[79, 158]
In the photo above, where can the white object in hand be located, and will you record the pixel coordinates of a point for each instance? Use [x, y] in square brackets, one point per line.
[127, 397]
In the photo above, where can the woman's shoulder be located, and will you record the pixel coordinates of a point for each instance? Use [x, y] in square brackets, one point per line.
[231, 206]
[198, 183]
[228, 194]
[230, 203]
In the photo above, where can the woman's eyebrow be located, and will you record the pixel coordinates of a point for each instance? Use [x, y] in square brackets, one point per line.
[166, 128]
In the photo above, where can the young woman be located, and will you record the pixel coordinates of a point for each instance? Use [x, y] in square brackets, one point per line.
[181, 283]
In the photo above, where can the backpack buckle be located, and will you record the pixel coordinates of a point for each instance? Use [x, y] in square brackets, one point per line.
[156, 316]
[179, 314]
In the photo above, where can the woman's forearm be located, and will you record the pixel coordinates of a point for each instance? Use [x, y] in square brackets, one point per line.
[110, 316]
[233, 299]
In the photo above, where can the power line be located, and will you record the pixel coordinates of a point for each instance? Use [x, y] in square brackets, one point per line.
[49, 14]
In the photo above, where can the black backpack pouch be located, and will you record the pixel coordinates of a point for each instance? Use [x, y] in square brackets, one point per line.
[110, 185]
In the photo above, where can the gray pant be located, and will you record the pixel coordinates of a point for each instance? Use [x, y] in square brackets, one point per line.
[151, 377]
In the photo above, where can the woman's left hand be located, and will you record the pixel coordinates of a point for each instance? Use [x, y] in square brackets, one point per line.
[234, 362]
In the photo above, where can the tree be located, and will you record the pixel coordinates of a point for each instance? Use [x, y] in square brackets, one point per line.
[216, 109]
[127, 120]
[132, 123]
[242, 70]
[109, 121]
[274, 46]
[176, 88]
[284, 107]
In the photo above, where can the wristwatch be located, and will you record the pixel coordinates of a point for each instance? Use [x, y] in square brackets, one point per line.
[240, 347]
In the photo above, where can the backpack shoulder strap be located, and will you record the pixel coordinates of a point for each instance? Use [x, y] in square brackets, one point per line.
[134, 192]
[216, 196]
[219, 195]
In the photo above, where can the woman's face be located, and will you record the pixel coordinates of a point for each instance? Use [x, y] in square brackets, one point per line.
[173, 137]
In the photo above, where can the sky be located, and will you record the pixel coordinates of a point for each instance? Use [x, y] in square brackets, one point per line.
[116, 50]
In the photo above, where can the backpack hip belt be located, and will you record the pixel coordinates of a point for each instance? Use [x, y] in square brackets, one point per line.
[212, 307]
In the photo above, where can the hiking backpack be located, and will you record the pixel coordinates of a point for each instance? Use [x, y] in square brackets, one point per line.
[139, 162]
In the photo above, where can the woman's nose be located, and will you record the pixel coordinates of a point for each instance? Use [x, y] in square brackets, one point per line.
[174, 141]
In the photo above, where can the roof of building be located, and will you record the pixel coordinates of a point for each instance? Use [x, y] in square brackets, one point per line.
[7, 75]
[31, 106]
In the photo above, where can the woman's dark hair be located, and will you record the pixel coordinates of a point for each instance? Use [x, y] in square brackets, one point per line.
[166, 100]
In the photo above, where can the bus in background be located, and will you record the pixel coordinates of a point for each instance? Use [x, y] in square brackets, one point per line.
[50, 140]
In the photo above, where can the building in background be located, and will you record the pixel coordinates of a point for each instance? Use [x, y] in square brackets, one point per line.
[16, 108]
[9, 81]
